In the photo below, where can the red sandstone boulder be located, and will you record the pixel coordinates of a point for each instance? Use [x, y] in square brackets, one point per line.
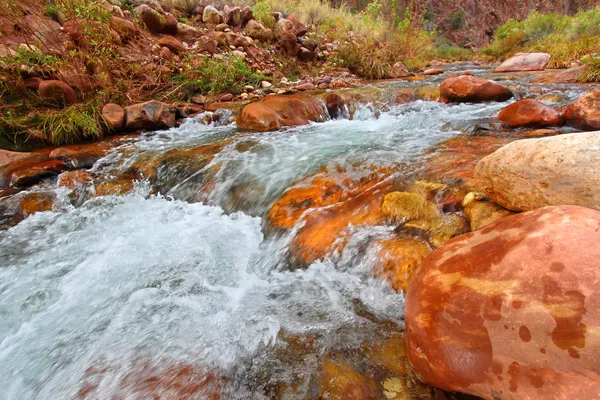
[123, 27]
[257, 31]
[511, 311]
[584, 114]
[80, 155]
[73, 179]
[525, 62]
[208, 44]
[273, 112]
[549, 171]
[530, 113]
[471, 89]
[399, 70]
[299, 27]
[151, 18]
[57, 91]
[11, 161]
[288, 44]
[114, 116]
[74, 28]
[172, 44]
[33, 175]
[150, 115]
[171, 25]
[233, 16]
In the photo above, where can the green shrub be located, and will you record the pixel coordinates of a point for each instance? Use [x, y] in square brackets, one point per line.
[70, 125]
[457, 19]
[52, 11]
[591, 73]
[263, 13]
[213, 76]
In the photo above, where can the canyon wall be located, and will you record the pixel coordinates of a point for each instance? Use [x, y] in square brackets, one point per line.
[473, 22]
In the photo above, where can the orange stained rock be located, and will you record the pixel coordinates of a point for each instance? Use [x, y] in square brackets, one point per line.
[530, 113]
[274, 112]
[472, 89]
[180, 381]
[149, 163]
[72, 179]
[511, 311]
[115, 187]
[36, 202]
[322, 227]
[338, 380]
[398, 258]
[321, 189]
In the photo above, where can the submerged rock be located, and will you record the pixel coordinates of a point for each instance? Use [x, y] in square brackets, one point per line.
[35, 202]
[398, 258]
[533, 173]
[530, 113]
[484, 213]
[339, 380]
[274, 112]
[471, 89]
[525, 62]
[584, 114]
[510, 311]
[406, 206]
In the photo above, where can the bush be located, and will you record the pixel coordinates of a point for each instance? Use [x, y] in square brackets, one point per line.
[591, 73]
[213, 76]
[263, 13]
[457, 19]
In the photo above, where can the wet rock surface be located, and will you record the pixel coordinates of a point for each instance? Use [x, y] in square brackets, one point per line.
[274, 112]
[508, 311]
[472, 89]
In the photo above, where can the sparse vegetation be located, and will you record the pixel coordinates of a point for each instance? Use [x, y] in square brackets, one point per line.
[565, 38]
[71, 125]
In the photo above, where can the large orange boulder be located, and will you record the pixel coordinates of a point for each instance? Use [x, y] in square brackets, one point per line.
[584, 113]
[511, 311]
[273, 112]
[530, 113]
[472, 89]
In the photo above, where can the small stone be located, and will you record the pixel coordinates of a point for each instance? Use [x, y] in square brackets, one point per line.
[265, 84]
[306, 86]
[226, 97]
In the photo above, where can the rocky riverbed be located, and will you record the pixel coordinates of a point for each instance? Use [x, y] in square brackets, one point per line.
[268, 250]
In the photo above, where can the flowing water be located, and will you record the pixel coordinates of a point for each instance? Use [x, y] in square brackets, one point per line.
[181, 281]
